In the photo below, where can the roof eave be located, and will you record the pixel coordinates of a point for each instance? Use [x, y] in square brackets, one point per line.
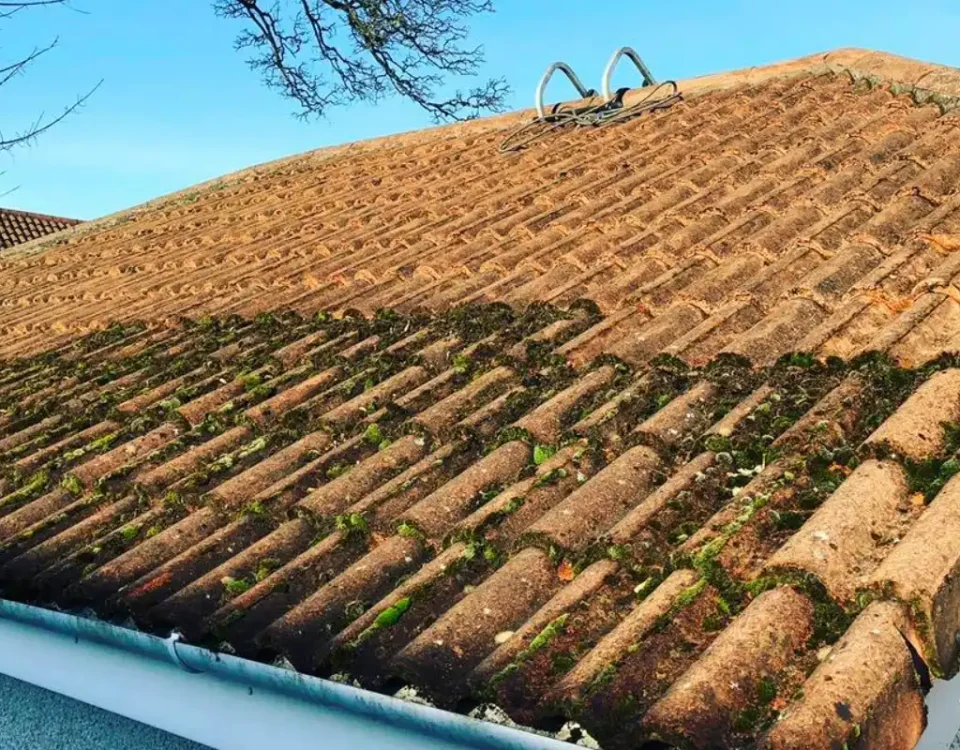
[221, 700]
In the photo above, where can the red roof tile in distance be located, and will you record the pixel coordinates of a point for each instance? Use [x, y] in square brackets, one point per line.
[18, 227]
[690, 486]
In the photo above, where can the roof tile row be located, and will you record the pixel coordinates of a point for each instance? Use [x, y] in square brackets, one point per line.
[699, 556]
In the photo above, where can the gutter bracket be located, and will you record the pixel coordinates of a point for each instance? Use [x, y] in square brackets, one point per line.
[171, 642]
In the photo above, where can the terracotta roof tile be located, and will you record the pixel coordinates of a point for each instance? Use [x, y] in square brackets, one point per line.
[17, 227]
[644, 495]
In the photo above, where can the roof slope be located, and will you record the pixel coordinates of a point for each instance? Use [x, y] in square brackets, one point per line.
[763, 173]
[625, 500]
[18, 227]
[656, 552]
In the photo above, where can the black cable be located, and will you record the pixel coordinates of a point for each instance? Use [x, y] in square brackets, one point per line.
[599, 115]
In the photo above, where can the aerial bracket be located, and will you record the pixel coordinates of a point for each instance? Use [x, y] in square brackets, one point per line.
[568, 72]
[648, 79]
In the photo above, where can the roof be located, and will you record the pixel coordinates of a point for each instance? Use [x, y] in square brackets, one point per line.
[18, 227]
[693, 483]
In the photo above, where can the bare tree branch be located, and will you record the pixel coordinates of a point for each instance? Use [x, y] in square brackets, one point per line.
[16, 68]
[7, 192]
[10, 8]
[327, 53]
[11, 70]
[42, 124]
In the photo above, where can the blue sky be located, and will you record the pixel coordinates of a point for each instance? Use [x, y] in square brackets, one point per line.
[178, 105]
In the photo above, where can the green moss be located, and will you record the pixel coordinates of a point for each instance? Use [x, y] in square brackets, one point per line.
[830, 620]
[689, 594]
[748, 720]
[512, 433]
[262, 391]
[410, 532]
[718, 444]
[34, 486]
[265, 568]
[618, 552]
[373, 435]
[684, 599]
[386, 619]
[102, 444]
[924, 628]
[713, 623]
[787, 520]
[251, 380]
[543, 453]
[544, 637]
[338, 469]
[235, 586]
[705, 561]
[354, 609]
[170, 404]
[462, 364]
[255, 508]
[928, 477]
[551, 477]
[130, 532]
[562, 663]
[758, 717]
[352, 524]
[601, 679]
[72, 485]
[252, 448]
[766, 690]
[172, 499]
[551, 631]
[392, 614]
[681, 532]
[221, 465]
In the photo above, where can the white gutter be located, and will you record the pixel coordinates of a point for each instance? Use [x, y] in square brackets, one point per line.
[223, 701]
[943, 716]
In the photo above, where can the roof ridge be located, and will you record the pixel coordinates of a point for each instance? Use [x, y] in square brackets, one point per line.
[886, 66]
[915, 75]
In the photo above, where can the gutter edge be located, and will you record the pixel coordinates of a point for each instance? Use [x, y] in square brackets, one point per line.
[412, 718]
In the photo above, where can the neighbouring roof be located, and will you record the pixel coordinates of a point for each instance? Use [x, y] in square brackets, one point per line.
[18, 227]
[25, 723]
[693, 484]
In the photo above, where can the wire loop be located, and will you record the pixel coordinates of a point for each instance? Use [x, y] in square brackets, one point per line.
[599, 116]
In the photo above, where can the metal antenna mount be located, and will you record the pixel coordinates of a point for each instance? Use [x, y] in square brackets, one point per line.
[648, 79]
[566, 70]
